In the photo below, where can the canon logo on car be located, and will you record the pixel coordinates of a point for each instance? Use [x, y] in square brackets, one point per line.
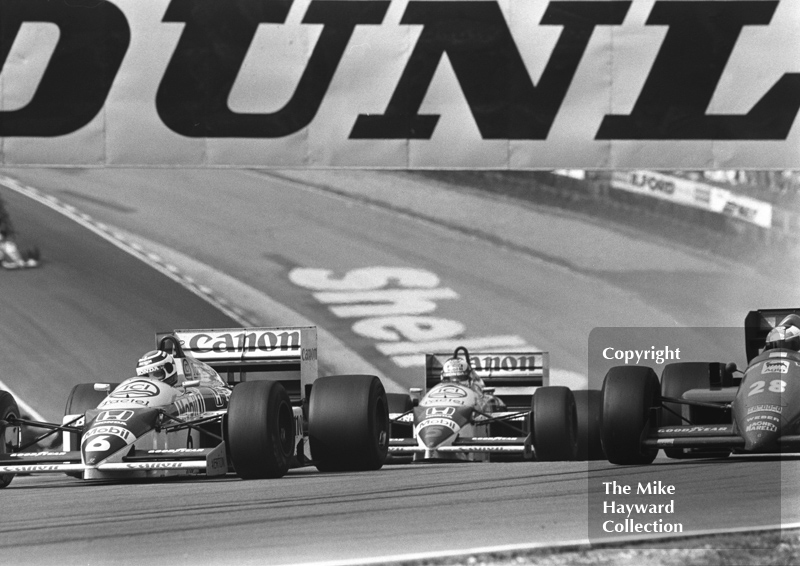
[245, 341]
[488, 363]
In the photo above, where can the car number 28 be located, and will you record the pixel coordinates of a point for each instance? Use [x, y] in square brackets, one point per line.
[775, 386]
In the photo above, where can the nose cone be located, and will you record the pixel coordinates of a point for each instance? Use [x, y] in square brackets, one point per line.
[101, 441]
[434, 435]
[98, 447]
[761, 436]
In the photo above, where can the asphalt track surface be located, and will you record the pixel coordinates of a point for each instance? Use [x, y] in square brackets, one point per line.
[92, 310]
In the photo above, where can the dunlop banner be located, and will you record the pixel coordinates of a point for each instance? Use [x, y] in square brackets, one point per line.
[507, 84]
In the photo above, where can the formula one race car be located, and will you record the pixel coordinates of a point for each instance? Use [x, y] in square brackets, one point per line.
[272, 413]
[12, 258]
[482, 407]
[710, 409]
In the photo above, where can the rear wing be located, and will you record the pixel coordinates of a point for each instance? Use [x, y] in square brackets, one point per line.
[757, 325]
[513, 375]
[285, 354]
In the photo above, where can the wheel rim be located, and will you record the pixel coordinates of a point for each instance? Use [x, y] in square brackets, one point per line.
[285, 428]
[382, 430]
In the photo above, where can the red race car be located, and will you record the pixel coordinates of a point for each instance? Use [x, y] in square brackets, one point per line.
[710, 409]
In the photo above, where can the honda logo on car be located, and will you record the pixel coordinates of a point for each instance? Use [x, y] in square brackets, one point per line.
[122, 415]
[440, 411]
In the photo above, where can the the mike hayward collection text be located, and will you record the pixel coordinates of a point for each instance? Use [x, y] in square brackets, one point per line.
[628, 524]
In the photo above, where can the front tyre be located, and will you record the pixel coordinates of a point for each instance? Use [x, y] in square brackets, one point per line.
[630, 393]
[589, 404]
[348, 423]
[554, 424]
[677, 379]
[260, 430]
[8, 434]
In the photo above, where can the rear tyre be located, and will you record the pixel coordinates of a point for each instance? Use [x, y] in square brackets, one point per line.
[8, 434]
[629, 394]
[348, 423]
[677, 379]
[589, 404]
[554, 424]
[260, 430]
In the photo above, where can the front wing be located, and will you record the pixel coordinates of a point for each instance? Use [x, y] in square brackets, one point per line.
[521, 445]
[720, 436]
[482, 445]
[208, 461]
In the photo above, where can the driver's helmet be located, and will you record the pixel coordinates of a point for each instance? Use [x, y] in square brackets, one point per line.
[457, 370]
[785, 335]
[158, 364]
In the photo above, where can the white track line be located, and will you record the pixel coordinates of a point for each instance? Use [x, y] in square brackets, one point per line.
[580, 544]
[343, 359]
[118, 240]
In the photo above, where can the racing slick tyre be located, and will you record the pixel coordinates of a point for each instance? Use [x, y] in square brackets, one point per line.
[589, 404]
[554, 424]
[399, 402]
[260, 430]
[8, 434]
[629, 394]
[348, 423]
[677, 379]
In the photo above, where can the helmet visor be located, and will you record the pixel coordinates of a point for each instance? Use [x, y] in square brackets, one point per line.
[158, 373]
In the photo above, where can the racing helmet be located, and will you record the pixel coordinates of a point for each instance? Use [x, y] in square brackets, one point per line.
[456, 370]
[159, 365]
[785, 335]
